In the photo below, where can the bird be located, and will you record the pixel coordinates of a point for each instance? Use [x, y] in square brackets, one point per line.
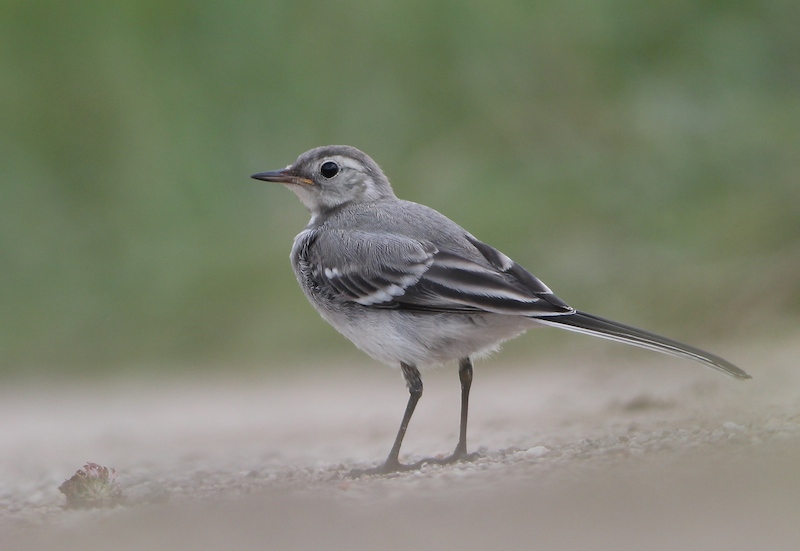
[410, 287]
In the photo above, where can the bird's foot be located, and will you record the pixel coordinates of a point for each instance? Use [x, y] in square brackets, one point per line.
[393, 465]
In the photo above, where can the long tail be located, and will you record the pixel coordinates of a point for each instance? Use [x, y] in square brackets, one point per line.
[588, 324]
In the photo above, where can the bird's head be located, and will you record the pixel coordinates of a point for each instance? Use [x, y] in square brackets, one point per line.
[330, 176]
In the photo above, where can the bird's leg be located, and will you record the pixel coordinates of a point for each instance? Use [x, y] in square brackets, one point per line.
[460, 453]
[465, 376]
[414, 383]
[392, 463]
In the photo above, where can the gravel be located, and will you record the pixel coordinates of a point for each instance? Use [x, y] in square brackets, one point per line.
[631, 452]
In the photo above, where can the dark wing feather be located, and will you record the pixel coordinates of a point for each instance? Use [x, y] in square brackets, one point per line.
[395, 271]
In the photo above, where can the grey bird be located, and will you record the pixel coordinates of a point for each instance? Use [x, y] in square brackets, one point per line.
[409, 286]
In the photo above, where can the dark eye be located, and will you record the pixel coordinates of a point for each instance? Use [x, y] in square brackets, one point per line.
[329, 169]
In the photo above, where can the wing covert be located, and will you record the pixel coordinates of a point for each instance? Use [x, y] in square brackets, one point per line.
[386, 270]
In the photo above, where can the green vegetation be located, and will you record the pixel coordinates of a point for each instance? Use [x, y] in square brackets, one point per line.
[642, 158]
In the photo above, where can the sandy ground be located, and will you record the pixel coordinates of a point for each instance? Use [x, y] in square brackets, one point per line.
[637, 451]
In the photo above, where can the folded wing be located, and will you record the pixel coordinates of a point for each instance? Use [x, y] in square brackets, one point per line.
[394, 271]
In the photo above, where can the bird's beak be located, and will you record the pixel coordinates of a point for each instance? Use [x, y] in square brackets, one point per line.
[284, 176]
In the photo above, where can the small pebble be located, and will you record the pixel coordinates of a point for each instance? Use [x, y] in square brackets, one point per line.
[537, 451]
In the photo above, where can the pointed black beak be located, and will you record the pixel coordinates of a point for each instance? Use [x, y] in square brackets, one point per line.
[284, 176]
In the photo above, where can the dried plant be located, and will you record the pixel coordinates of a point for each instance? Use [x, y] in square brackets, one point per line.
[92, 487]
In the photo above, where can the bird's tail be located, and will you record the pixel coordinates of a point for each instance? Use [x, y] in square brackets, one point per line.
[588, 324]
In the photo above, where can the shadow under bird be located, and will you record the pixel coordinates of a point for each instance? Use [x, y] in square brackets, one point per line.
[409, 286]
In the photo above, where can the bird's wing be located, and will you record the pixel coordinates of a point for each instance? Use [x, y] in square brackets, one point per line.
[394, 271]
[363, 267]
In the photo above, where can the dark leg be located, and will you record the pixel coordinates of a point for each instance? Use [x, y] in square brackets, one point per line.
[465, 376]
[392, 463]
[460, 453]
[414, 384]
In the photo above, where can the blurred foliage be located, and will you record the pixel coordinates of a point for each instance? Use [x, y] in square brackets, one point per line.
[643, 158]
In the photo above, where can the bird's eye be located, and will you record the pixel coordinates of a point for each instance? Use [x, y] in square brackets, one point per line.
[329, 169]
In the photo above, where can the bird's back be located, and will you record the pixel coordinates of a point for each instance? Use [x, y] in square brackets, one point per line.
[408, 219]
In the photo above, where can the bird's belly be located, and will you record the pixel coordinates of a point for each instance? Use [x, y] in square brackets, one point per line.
[423, 338]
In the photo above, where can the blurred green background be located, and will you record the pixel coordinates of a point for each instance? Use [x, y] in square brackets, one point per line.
[641, 157]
